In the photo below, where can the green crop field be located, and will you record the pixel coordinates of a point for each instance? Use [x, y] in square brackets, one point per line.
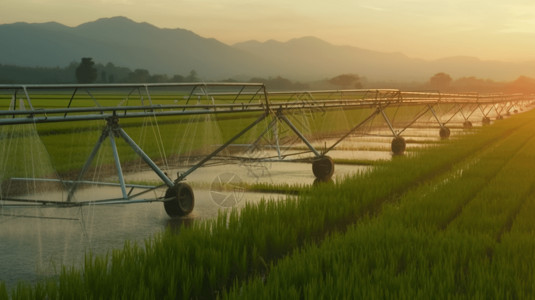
[452, 221]
[66, 145]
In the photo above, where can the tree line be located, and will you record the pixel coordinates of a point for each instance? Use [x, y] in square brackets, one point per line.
[87, 71]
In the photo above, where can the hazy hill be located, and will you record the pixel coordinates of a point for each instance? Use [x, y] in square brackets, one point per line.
[177, 51]
[312, 57]
[123, 42]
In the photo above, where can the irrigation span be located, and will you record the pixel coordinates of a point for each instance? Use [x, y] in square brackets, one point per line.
[67, 138]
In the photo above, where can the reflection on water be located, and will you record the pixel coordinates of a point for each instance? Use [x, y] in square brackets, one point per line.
[37, 241]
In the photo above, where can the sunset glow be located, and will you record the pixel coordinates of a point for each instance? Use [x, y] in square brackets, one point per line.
[487, 29]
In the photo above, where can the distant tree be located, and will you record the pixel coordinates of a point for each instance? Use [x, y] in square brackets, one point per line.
[86, 71]
[177, 78]
[192, 77]
[522, 84]
[440, 81]
[139, 76]
[279, 83]
[473, 84]
[114, 73]
[158, 78]
[41, 75]
[346, 81]
[257, 80]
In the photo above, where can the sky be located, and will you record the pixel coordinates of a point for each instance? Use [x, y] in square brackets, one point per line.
[429, 29]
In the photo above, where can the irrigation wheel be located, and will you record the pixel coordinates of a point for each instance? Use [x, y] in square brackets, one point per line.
[398, 145]
[444, 132]
[467, 124]
[182, 201]
[486, 121]
[318, 181]
[323, 167]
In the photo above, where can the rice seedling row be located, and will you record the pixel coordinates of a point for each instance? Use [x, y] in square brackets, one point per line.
[406, 253]
[205, 259]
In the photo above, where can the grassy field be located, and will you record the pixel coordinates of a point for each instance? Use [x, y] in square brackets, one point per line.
[64, 147]
[68, 144]
[453, 221]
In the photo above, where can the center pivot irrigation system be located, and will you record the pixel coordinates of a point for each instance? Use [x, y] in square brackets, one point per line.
[266, 126]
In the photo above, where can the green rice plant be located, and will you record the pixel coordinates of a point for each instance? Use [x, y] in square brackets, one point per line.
[282, 188]
[390, 257]
[490, 209]
[69, 144]
[3, 291]
[262, 241]
[513, 257]
[359, 162]
[445, 199]
[203, 260]
[372, 260]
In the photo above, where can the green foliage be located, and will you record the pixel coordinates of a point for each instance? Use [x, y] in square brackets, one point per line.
[86, 71]
[437, 224]
[440, 81]
[280, 84]
[448, 238]
[10, 74]
[346, 81]
[3, 291]
[100, 73]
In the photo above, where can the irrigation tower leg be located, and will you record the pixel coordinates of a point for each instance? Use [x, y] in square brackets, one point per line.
[355, 128]
[466, 124]
[88, 162]
[118, 166]
[111, 130]
[398, 144]
[179, 199]
[276, 135]
[145, 157]
[444, 131]
[486, 118]
[322, 165]
[221, 148]
[298, 133]
[271, 126]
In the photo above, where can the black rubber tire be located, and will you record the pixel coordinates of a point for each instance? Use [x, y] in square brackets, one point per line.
[182, 202]
[323, 167]
[318, 182]
[398, 145]
[444, 132]
[485, 121]
[500, 117]
[467, 125]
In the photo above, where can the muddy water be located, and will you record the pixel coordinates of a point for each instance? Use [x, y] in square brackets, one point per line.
[35, 242]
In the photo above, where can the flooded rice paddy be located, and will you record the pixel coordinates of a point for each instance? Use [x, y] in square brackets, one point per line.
[37, 241]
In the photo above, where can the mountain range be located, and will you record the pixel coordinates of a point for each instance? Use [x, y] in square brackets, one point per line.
[177, 51]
